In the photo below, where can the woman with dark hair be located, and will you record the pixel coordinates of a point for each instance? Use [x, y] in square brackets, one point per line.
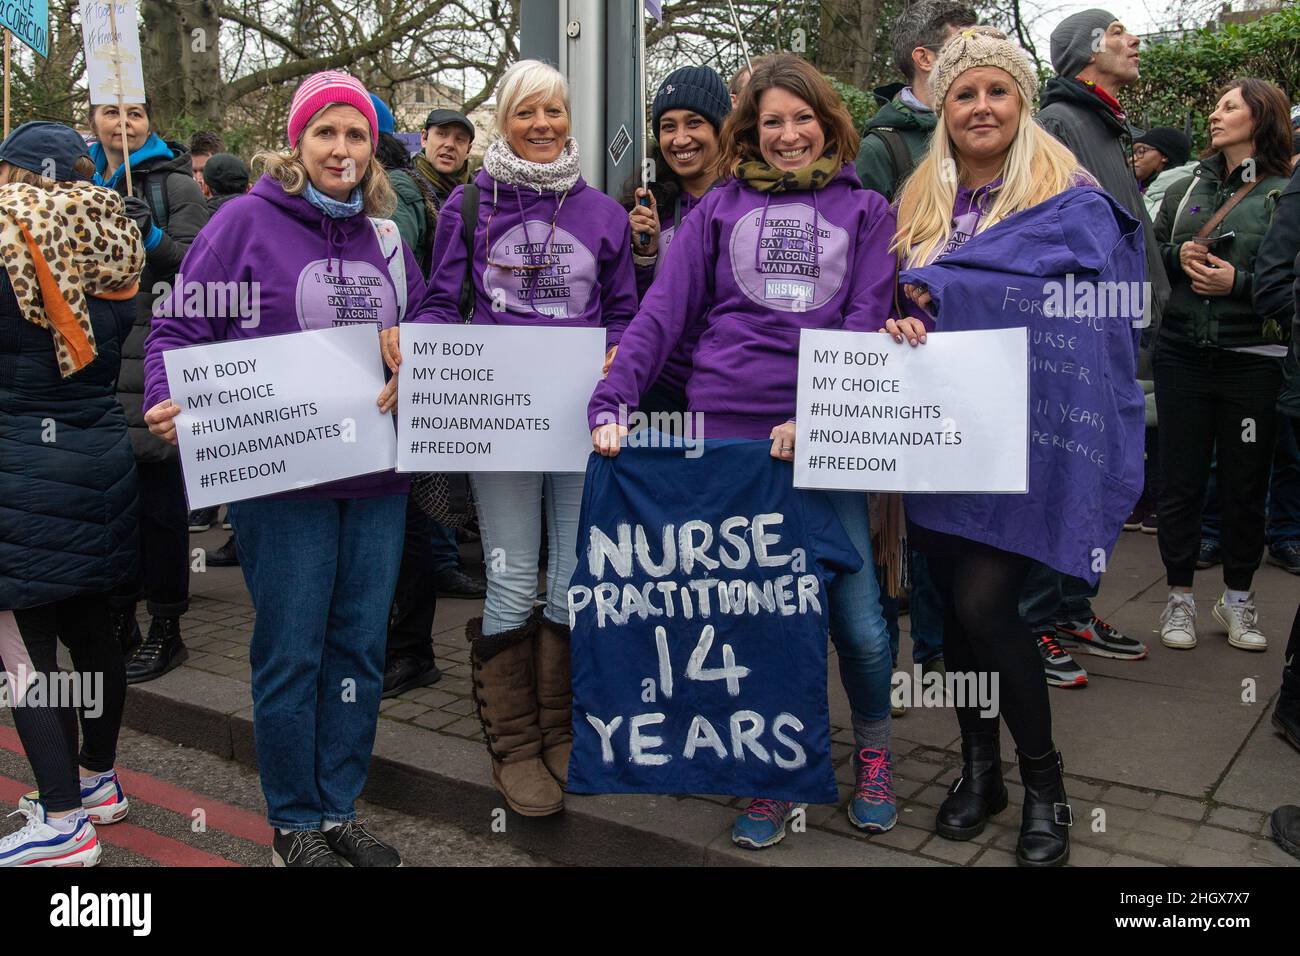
[686, 119]
[788, 190]
[1218, 365]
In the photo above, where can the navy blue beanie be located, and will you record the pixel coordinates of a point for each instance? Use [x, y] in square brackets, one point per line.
[695, 88]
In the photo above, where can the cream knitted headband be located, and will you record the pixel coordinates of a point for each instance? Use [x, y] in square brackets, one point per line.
[981, 46]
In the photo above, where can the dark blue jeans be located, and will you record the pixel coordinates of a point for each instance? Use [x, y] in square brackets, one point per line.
[321, 574]
[1050, 597]
[1282, 503]
[924, 609]
[443, 549]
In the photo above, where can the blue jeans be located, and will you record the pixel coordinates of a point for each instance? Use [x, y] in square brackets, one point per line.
[510, 523]
[1050, 597]
[857, 625]
[924, 608]
[321, 574]
[1282, 504]
[443, 550]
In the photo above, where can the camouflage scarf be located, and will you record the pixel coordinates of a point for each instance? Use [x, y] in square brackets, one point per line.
[768, 179]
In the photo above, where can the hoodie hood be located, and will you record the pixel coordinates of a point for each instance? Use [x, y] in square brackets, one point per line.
[1060, 89]
[338, 233]
[156, 155]
[897, 114]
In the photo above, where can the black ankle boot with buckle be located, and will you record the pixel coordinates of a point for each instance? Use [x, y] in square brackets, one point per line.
[978, 793]
[1045, 825]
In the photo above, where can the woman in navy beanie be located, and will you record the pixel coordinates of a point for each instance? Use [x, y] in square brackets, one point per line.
[686, 119]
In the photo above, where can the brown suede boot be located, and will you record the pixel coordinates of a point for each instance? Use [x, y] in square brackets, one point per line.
[554, 697]
[505, 696]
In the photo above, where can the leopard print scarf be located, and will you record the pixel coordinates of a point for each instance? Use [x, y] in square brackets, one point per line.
[61, 245]
[769, 179]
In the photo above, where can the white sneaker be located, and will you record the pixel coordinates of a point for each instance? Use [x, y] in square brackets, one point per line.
[1240, 620]
[1178, 625]
[104, 804]
[39, 844]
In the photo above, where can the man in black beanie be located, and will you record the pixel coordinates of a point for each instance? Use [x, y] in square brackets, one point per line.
[1095, 57]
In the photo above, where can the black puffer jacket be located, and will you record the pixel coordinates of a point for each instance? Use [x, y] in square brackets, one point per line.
[187, 212]
[67, 475]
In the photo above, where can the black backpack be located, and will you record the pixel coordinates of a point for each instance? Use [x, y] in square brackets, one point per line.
[900, 158]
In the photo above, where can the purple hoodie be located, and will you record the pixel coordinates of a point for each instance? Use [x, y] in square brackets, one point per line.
[1086, 429]
[283, 243]
[677, 369]
[743, 262]
[588, 279]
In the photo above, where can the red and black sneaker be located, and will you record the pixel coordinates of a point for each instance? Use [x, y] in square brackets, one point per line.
[1060, 668]
[1096, 637]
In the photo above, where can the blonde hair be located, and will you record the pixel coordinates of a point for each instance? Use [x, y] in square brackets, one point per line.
[524, 80]
[1037, 167]
[287, 169]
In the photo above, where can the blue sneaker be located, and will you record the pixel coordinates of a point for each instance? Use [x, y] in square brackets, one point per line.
[763, 823]
[103, 800]
[39, 844]
[872, 807]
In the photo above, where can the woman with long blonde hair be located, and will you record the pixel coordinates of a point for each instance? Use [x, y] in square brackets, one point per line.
[996, 212]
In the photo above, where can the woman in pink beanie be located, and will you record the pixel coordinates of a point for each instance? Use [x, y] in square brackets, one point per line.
[320, 563]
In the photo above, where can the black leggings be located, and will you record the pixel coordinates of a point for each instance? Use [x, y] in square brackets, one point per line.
[983, 633]
[48, 726]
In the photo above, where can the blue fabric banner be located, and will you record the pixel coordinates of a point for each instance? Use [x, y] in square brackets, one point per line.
[699, 614]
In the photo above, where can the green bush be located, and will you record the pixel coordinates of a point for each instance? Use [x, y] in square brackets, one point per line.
[1184, 76]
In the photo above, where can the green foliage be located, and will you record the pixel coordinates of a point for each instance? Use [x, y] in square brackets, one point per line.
[862, 105]
[1184, 76]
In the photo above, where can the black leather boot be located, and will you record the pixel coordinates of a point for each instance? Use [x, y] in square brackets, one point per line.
[1286, 715]
[978, 793]
[1045, 826]
[126, 630]
[161, 650]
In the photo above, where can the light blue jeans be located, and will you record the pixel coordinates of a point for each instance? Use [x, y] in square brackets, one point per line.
[510, 524]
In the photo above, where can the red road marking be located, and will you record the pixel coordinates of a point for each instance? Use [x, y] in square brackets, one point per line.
[149, 789]
[130, 837]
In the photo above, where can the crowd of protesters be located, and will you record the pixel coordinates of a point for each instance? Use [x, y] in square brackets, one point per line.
[1203, 400]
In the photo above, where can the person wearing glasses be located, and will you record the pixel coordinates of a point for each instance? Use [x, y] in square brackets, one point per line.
[548, 251]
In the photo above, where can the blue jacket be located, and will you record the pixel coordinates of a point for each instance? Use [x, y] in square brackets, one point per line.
[1086, 408]
[67, 474]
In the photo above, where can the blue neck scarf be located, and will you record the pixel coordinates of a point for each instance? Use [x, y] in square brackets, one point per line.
[332, 207]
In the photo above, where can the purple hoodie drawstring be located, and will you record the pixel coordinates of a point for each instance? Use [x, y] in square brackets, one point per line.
[334, 237]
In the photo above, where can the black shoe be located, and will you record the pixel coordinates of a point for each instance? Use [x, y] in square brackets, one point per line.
[1134, 521]
[1045, 825]
[455, 583]
[224, 556]
[1286, 715]
[978, 793]
[126, 631]
[358, 847]
[1285, 826]
[202, 519]
[302, 848]
[1151, 524]
[404, 673]
[1286, 556]
[1208, 556]
[162, 650]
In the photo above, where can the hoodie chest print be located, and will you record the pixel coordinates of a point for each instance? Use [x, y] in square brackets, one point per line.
[330, 296]
[532, 270]
[788, 257]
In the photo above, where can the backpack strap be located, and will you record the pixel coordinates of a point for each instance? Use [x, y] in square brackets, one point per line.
[390, 247]
[900, 158]
[158, 200]
[468, 223]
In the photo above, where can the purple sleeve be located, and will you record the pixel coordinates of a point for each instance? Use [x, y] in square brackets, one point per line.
[871, 288]
[441, 302]
[618, 289]
[177, 330]
[680, 298]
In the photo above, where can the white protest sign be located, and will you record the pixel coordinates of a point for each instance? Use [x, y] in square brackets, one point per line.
[265, 415]
[113, 71]
[951, 415]
[496, 397]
